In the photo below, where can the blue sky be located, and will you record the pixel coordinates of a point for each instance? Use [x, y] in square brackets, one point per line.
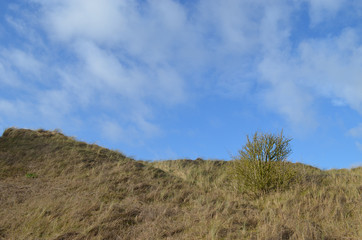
[168, 79]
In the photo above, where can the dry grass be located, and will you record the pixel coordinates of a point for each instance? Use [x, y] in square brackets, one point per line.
[54, 187]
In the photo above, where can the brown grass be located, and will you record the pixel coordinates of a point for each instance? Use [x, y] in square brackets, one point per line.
[54, 187]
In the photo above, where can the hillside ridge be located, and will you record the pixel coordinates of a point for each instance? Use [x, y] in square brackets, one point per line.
[55, 187]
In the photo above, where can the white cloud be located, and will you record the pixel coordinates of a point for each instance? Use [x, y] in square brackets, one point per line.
[282, 92]
[230, 25]
[119, 59]
[8, 76]
[22, 61]
[149, 30]
[7, 108]
[325, 67]
[15, 62]
[17, 112]
[54, 104]
[166, 36]
[356, 131]
[17, 24]
[332, 67]
[113, 39]
[285, 95]
[113, 131]
[321, 10]
[97, 20]
[123, 56]
[275, 28]
[359, 145]
[106, 70]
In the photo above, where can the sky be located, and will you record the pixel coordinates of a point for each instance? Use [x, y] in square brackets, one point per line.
[171, 79]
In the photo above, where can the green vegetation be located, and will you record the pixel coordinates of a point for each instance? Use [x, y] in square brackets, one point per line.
[84, 191]
[31, 175]
[261, 166]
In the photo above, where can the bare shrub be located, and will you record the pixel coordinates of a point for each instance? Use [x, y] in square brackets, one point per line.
[261, 165]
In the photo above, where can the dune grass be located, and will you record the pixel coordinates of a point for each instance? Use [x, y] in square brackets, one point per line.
[54, 187]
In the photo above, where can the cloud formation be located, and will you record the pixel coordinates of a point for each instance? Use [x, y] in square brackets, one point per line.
[129, 58]
[356, 131]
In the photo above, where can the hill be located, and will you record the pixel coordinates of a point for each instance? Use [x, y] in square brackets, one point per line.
[54, 187]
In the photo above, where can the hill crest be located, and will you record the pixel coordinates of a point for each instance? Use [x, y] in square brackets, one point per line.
[54, 187]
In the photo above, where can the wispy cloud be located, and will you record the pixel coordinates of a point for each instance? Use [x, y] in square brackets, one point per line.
[285, 95]
[23, 61]
[320, 10]
[356, 131]
[332, 67]
[359, 146]
[128, 58]
[328, 68]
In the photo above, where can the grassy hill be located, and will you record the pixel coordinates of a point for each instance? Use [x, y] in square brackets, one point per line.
[54, 187]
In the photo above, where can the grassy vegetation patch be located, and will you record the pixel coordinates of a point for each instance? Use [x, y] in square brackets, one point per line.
[31, 175]
[84, 191]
